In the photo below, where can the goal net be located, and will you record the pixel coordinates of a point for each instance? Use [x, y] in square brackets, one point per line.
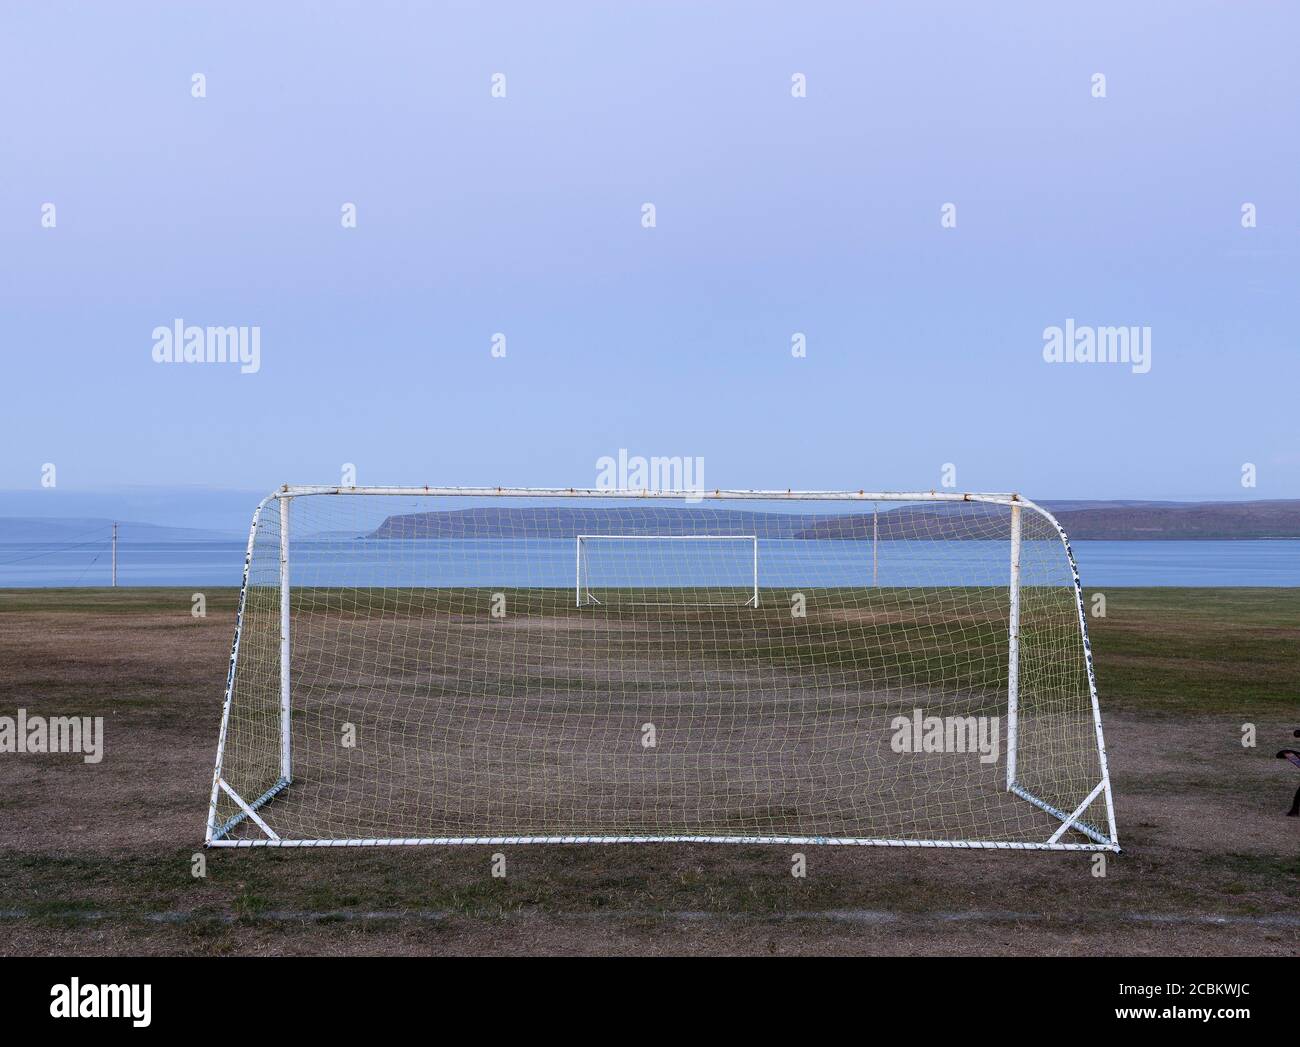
[418, 666]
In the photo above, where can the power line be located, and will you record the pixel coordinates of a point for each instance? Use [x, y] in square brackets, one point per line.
[61, 547]
[88, 567]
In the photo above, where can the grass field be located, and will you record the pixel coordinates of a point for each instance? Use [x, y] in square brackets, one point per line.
[100, 858]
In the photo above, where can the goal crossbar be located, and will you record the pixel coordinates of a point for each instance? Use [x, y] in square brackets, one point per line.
[1067, 815]
[293, 490]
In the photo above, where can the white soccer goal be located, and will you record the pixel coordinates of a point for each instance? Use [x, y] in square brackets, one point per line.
[701, 570]
[422, 666]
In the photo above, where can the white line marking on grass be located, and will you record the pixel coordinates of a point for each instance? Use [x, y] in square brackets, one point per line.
[863, 916]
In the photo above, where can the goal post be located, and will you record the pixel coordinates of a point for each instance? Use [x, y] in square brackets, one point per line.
[637, 569]
[285, 659]
[522, 665]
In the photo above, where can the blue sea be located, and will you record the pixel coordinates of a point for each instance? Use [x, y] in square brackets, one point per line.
[551, 563]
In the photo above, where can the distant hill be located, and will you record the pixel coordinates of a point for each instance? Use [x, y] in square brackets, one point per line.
[66, 530]
[568, 522]
[1082, 520]
[192, 507]
[1162, 520]
[1086, 520]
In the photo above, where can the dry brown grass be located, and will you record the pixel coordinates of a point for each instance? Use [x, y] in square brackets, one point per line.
[97, 859]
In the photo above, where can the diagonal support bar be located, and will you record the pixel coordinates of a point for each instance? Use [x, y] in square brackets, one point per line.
[239, 800]
[1078, 811]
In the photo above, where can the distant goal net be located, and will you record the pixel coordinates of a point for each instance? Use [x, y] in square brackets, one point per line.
[465, 666]
[666, 570]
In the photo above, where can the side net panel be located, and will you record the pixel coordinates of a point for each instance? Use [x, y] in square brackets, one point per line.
[486, 668]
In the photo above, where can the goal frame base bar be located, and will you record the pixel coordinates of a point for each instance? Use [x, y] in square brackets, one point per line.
[798, 841]
[219, 837]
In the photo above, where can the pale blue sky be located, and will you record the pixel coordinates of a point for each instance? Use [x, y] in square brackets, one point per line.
[775, 215]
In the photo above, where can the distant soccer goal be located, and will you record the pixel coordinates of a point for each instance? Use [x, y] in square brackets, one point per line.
[666, 570]
[496, 666]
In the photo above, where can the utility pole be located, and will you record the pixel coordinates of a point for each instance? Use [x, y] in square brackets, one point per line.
[114, 556]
